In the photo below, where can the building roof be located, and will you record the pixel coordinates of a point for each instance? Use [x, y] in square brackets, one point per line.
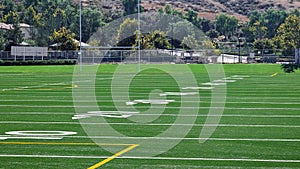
[5, 26]
[10, 27]
[24, 25]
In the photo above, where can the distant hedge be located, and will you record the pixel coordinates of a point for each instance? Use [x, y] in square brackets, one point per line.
[290, 68]
[39, 62]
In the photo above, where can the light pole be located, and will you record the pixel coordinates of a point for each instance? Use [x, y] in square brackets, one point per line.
[172, 40]
[80, 34]
[139, 36]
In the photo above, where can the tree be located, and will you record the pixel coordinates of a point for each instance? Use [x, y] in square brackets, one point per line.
[130, 6]
[295, 12]
[288, 34]
[2, 40]
[169, 10]
[226, 25]
[264, 44]
[258, 30]
[28, 3]
[190, 42]
[205, 25]
[91, 22]
[210, 48]
[59, 18]
[14, 36]
[154, 40]
[32, 18]
[127, 32]
[272, 20]
[64, 39]
[9, 6]
[266, 23]
[192, 16]
[181, 29]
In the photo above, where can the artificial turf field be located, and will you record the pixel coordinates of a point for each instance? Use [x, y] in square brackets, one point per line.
[259, 128]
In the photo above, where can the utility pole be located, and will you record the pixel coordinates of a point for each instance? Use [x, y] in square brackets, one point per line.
[139, 36]
[80, 36]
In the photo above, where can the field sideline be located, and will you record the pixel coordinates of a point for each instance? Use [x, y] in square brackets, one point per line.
[260, 125]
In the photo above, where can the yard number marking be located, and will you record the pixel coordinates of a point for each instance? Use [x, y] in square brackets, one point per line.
[46, 135]
[111, 114]
[158, 102]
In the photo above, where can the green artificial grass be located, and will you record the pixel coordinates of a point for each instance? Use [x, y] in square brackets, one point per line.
[258, 128]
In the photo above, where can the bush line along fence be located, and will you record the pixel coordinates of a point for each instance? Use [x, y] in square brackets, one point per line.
[94, 56]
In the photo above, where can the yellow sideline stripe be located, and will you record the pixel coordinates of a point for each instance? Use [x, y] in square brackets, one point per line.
[113, 157]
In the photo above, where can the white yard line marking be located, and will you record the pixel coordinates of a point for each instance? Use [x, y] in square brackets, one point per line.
[152, 158]
[140, 124]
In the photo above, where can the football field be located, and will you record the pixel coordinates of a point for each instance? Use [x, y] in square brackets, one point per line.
[48, 118]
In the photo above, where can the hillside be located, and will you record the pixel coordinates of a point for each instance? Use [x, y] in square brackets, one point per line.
[210, 8]
[207, 8]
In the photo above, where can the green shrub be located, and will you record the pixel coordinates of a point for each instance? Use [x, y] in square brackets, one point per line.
[39, 62]
[289, 68]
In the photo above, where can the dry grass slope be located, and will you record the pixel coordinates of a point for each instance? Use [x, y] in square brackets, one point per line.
[210, 8]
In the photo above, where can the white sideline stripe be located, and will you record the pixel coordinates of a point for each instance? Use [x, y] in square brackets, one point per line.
[114, 101]
[139, 124]
[244, 93]
[236, 92]
[103, 97]
[176, 138]
[228, 108]
[173, 115]
[154, 158]
[186, 138]
[36, 113]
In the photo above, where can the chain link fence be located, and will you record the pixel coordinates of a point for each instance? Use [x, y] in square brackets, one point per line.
[50, 55]
[128, 56]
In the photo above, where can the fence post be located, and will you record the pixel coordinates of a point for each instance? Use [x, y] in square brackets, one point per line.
[121, 52]
[24, 54]
[149, 53]
[297, 56]
[15, 54]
